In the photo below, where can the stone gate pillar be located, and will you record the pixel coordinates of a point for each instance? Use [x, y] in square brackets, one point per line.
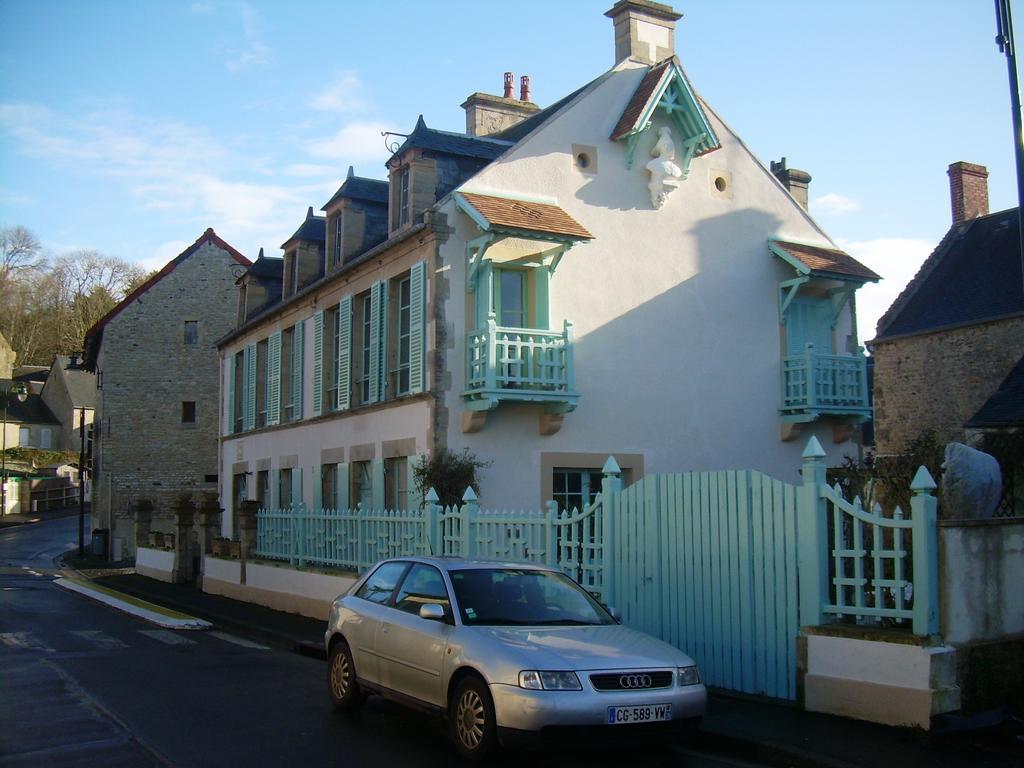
[184, 517]
[209, 523]
[247, 531]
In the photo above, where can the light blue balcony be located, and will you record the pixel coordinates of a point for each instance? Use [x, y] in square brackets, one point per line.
[521, 365]
[816, 385]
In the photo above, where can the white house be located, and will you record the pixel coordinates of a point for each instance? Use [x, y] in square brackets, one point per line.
[614, 274]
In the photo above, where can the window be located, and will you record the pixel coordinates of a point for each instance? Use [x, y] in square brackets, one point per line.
[510, 298]
[329, 486]
[336, 255]
[23, 437]
[401, 214]
[241, 494]
[396, 483]
[46, 438]
[239, 399]
[362, 485]
[284, 489]
[381, 584]
[575, 489]
[263, 488]
[330, 357]
[191, 331]
[188, 412]
[401, 300]
[364, 325]
[261, 384]
[423, 585]
[809, 321]
[287, 368]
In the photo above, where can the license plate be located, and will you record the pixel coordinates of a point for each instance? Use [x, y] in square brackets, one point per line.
[645, 713]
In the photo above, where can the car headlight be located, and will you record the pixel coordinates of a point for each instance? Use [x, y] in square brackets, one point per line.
[687, 675]
[543, 680]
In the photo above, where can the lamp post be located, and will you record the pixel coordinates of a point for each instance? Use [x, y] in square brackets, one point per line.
[20, 392]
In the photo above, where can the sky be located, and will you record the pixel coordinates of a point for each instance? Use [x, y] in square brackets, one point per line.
[130, 127]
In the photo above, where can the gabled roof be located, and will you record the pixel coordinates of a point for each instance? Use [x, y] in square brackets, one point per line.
[360, 188]
[94, 336]
[665, 84]
[446, 142]
[1006, 407]
[81, 384]
[822, 262]
[313, 228]
[267, 267]
[972, 276]
[509, 214]
[32, 411]
[519, 131]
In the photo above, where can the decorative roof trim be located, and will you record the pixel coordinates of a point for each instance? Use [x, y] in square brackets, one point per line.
[854, 271]
[553, 222]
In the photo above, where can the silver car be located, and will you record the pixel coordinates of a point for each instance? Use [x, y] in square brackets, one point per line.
[504, 651]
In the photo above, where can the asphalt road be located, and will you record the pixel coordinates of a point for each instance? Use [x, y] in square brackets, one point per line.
[85, 685]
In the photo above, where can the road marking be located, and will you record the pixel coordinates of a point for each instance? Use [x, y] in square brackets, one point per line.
[24, 640]
[240, 641]
[166, 636]
[99, 639]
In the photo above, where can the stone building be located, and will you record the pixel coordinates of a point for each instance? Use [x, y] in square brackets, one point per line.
[70, 393]
[157, 387]
[615, 274]
[955, 333]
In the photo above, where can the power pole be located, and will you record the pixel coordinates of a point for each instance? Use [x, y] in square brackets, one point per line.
[1004, 39]
[81, 483]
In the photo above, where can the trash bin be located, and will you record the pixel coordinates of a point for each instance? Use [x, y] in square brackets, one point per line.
[99, 541]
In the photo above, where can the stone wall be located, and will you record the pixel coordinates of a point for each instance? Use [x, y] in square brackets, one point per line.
[147, 371]
[940, 380]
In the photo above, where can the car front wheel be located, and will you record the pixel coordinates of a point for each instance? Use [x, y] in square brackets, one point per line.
[472, 719]
[341, 677]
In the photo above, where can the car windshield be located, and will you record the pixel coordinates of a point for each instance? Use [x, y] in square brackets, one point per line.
[521, 597]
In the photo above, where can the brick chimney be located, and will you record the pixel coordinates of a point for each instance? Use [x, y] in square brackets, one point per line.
[644, 30]
[795, 181]
[968, 191]
[487, 113]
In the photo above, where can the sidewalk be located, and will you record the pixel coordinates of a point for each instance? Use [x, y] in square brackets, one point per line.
[745, 728]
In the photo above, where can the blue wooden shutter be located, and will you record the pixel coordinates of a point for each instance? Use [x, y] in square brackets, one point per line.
[318, 487]
[297, 486]
[417, 332]
[318, 363]
[343, 486]
[229, 395]
[275, 490]
[377, 484]
[250, 387]
[378, 356]
[298, 365]
[345, 354]
[274, 379]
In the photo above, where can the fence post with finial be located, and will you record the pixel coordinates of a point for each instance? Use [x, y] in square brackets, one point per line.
[924, 514]
[812, 536]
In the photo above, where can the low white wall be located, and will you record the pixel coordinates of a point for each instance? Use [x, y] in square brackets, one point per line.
[884, 682]
[981, 573]
[155, 563]
[281, 587]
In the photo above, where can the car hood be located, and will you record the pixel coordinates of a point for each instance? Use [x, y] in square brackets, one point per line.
[579, 648]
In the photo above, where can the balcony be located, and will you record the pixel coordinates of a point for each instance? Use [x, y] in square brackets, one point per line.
[521, 365]
[816, 385]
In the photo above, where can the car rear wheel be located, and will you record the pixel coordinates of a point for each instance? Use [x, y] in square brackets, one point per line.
[341, 677]
[472, 719]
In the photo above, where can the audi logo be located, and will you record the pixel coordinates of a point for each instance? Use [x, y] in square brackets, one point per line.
[635, 681]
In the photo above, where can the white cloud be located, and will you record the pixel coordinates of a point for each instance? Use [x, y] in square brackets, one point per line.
[359, 141]
[345, 94]
[254, 51]
[832, 204]
[307, 170]
[897, 260]
[163, 254]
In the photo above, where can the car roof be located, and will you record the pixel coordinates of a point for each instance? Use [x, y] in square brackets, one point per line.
[464, 563]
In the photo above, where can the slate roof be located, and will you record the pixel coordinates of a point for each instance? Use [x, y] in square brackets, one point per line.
[825, 262]
[80, 382]
[446, 142]
[522, 214]
[972, 276]
[32, 411]
[37, 373]
[360, 188]
[267, 267]
[519, 131]
[641, 99]
[1006, 407]
[94, 336]
[313, 228]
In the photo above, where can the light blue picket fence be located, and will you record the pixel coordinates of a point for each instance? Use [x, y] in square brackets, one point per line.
[725, 565]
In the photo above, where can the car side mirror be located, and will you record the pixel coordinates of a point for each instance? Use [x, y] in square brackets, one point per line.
[432, 611]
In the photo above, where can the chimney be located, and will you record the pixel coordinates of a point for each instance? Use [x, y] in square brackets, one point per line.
[795, 181]
[644, 30]
[968, 191]
[487, 114]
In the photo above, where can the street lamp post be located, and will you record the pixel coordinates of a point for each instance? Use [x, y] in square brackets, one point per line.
[20, 392]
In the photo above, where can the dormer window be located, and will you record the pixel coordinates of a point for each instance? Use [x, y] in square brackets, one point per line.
[401, 214]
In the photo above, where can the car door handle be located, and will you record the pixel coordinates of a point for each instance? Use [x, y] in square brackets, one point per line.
[384, 628]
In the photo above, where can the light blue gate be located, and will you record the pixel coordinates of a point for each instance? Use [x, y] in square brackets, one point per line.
[707, 561]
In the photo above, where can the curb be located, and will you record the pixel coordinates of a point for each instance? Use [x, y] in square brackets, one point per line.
[139, 608]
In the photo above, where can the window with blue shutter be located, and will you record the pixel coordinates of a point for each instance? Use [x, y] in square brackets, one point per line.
[318, 362]
[417, 331]
[344, 354]
[229, 391]
[250, 387]
[274, 379]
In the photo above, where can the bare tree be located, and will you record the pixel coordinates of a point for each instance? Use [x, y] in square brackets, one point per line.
[19, 251]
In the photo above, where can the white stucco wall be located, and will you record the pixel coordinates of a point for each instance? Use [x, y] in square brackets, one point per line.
[678, 344]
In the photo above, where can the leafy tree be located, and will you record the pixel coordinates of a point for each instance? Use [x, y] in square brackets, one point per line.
[449, 474]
